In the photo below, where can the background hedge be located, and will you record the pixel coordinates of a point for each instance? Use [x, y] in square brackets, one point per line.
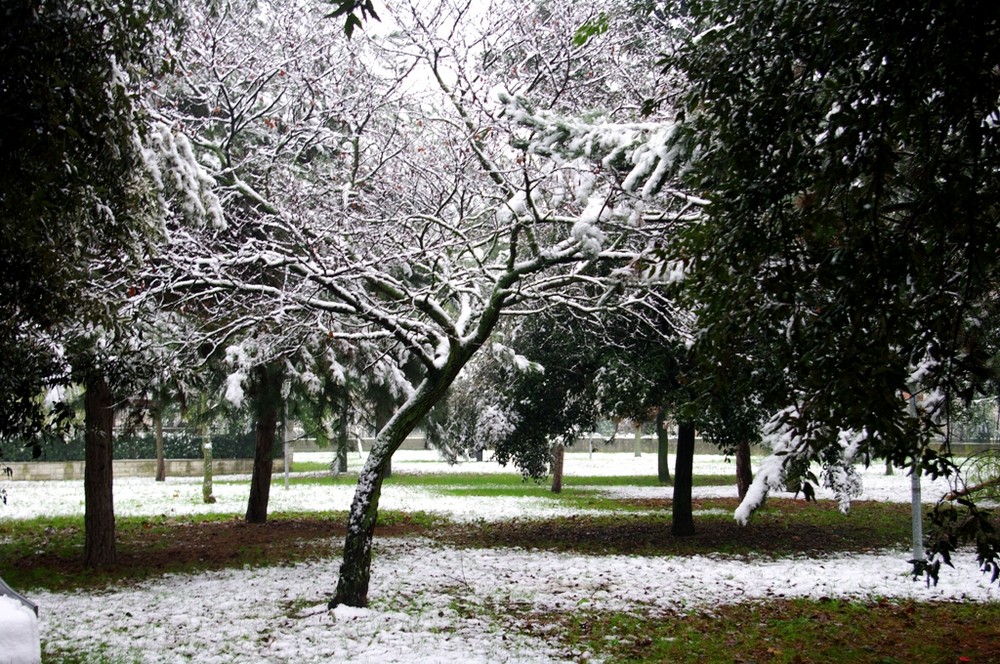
[177, 444]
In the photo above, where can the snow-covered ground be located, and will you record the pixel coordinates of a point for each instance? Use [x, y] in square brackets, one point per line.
[421, 591]
[182, 495]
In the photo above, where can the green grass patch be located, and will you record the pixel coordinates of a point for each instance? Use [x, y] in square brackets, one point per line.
[570, 498]
[491, 481]
[783, 632]
[48, 552]
[65, 656]
[310, 466]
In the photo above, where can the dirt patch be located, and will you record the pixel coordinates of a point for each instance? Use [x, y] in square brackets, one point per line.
[151, 548]
[787, 528]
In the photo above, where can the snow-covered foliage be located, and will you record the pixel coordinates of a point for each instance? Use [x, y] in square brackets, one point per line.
[179, 179]
[375, 190]
[378, 197]
[472, 417]
[794, 445]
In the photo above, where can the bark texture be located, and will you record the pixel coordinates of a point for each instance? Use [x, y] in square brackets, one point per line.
[683, 517]
[355, 570]
[662, 447]
[206, 480]
[267, 403]
[161, 464]
[558, 457]
[744, 473]
[98, 481]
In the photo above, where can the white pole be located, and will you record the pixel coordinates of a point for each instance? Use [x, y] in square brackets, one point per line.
[288, 438]
[916, 510]
[918, 525]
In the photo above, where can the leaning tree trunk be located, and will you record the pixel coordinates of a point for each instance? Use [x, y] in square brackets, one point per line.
[267, 402]
[355, 571]
[558, 457]
[683, 517]
[99, 510]
[381, 419]
[662, 447]
[744, 473]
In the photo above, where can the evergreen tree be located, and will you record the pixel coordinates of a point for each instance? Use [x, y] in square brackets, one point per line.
[850, 152]
[76, 205]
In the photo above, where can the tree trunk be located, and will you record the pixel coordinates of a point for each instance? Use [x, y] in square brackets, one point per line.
[381, 419]
[267, 401]
[161, 464]
[342, 434]
[744, 473]
[206, 455]
[355, 571]
[662, 447]
[683, 518]
[98, 487]
[558, 456]
[637, 438]
[287, 453]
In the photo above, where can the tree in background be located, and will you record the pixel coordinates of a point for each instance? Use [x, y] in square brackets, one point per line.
[77, 204]
[560, 371]
[79, 209]
[850, 155]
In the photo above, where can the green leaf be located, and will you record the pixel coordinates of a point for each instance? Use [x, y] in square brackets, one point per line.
[590, 29]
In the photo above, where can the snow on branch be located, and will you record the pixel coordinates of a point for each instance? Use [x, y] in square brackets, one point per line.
[178, 176]
[642, 153]
[793, 443]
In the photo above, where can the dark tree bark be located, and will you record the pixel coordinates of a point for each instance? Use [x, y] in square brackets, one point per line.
[558, 456]
[267, 402]
[381, 419]
[662, 447]
[355, 571]
[98, 480]
[161, 464]
[744, 473]
[683, 517]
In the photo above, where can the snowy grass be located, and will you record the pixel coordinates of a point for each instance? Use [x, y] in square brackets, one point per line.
[793, 631]
[435, 602]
